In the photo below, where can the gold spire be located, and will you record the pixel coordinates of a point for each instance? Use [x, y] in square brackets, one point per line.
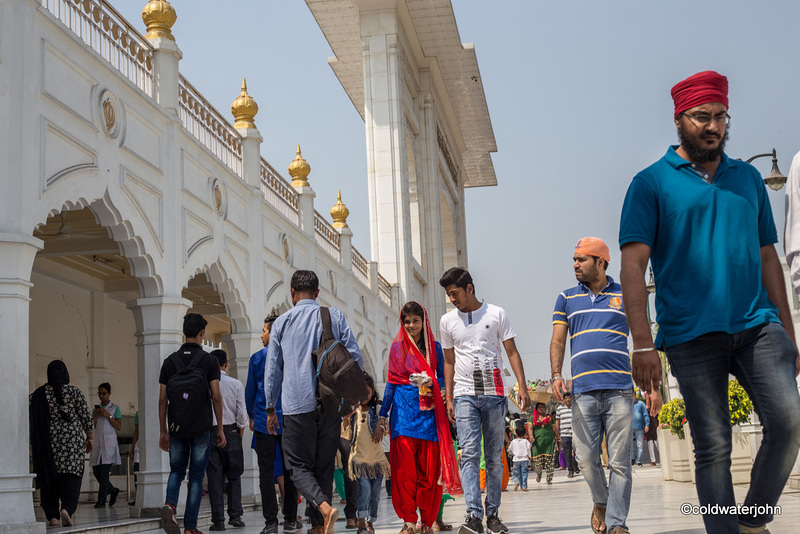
[299, 170]
[339, 212]
[244, 109]
[159, 16]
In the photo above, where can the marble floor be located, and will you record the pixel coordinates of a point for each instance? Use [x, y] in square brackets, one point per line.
[563, 507]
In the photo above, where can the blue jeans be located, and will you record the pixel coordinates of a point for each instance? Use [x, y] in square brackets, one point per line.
[763, 360]
[639, 437]
[181, 450]
[473, 414]
[609, 412]
[521, 473]
[369, 493]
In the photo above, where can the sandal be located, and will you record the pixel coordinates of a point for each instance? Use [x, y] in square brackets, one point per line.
[408, 527]
[599, 514]
[441, 525]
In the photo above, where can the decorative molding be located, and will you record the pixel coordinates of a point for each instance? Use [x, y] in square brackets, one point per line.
[446, 153]
[148, 201]
[62, 155]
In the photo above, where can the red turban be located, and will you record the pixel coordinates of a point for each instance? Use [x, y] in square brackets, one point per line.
[701, 88]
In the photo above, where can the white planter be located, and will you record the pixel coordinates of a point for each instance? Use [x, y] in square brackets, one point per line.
[666, 440]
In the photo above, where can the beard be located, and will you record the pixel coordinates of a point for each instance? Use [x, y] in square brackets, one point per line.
[696, 151]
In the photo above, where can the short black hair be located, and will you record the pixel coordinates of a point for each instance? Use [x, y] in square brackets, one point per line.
[305, 281]
[457, 276]
[269, 320]
[193, 324]
[605, 262]
[106, 386]
[520, 431]
[221, 356]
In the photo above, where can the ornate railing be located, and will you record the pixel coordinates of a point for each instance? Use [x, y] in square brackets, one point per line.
[278, 192]
[360, 267]
[209, 127]
[384, 290]
[106, 32]
[326, 235]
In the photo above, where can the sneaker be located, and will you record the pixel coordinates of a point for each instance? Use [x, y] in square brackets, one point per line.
[170, 520]
[217, 526]
[495, 526]
[272, 528]
[639, 464]
[112, 499]
[99, 505]
[290, 527]
[472, 525]
[236, 522]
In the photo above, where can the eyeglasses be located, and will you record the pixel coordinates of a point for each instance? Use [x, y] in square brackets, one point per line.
[704, 119]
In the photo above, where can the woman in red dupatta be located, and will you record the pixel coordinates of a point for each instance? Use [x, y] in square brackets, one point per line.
[422, 456]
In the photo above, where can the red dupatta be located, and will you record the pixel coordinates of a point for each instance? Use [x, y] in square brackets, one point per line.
[405, 358]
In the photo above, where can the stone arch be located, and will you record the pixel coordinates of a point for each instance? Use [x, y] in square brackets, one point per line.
[122, 231]
[234, 304]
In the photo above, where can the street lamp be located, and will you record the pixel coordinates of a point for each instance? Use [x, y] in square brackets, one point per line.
[651, 284]
[775, 179]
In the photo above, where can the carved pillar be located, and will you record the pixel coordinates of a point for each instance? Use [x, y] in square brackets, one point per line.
[17, 253]
[158, 334]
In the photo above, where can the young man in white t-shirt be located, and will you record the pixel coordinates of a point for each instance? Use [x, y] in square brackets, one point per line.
[472, 336]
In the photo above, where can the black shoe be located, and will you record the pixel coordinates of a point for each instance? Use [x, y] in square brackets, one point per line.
[290, 527]
[217, 525]
[639, 464]
[495, 526]
[99, 505]
[113, 497]
[236, 522]
[473, 525]
[169, 521]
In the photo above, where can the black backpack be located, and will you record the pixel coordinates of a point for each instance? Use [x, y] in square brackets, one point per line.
[189, 407]
[341, 387]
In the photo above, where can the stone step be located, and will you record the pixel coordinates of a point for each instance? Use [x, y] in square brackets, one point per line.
[794, 482]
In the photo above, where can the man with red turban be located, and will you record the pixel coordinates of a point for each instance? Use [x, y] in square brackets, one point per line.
[705, 224]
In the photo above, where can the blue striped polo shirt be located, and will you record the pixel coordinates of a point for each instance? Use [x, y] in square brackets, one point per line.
[598, 334]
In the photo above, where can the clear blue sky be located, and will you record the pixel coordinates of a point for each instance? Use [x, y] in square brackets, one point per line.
[579, 98]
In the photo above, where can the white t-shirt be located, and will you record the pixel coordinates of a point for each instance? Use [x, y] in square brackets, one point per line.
[477, 338]
[520, 448]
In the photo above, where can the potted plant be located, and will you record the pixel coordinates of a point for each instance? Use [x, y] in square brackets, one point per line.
[676, 453]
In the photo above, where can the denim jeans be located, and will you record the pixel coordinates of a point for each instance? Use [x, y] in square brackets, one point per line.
[763, 360]
[193, 452]
[609, 412]
[369, 493]
[476, 413]
[521, 473]
[639, 437]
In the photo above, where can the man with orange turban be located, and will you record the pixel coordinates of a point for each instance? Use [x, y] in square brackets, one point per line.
[705, 224]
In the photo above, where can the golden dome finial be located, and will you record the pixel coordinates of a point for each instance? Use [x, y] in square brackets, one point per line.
[244, 109]
[159, 16]
[339, 212]
[299, 170]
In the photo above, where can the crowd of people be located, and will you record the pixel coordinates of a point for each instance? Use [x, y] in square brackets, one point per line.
[444, 407]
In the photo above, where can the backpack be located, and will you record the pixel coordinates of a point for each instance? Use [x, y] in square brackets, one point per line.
[341, 387]
[189, 407]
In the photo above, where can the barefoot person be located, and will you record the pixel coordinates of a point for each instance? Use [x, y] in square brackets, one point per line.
[421, 444]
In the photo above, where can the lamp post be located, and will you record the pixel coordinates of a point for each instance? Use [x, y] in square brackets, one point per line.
[775, 179]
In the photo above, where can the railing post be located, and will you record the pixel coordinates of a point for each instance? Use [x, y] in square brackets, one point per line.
[339, 214]
[374, 285]
[244, 110]
[299, 170]
[159, 16]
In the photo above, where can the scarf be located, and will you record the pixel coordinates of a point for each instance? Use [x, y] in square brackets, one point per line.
[535, 419]
[406, 359]
[44, 465]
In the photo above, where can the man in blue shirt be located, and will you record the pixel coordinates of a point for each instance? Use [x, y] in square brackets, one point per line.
[265, 443]
[602, 398]
[310, 436]
[641, 425]
[705, 224]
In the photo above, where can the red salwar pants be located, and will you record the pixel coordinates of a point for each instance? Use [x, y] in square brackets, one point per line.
[415, 479]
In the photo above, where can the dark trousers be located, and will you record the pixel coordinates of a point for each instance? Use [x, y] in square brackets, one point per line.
[65, 488]
[388, 479]
[265, 450]
[225, 463]
[310, 441]
[572, 465]
[350, 486]
[102, 473]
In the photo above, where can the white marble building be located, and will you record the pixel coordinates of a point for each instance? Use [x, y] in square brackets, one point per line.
[128, 200]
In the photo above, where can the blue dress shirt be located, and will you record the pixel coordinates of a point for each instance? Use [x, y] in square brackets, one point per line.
[294, 335]
[254, 398]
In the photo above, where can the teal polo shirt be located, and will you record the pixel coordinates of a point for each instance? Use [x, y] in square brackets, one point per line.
[705, 242]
